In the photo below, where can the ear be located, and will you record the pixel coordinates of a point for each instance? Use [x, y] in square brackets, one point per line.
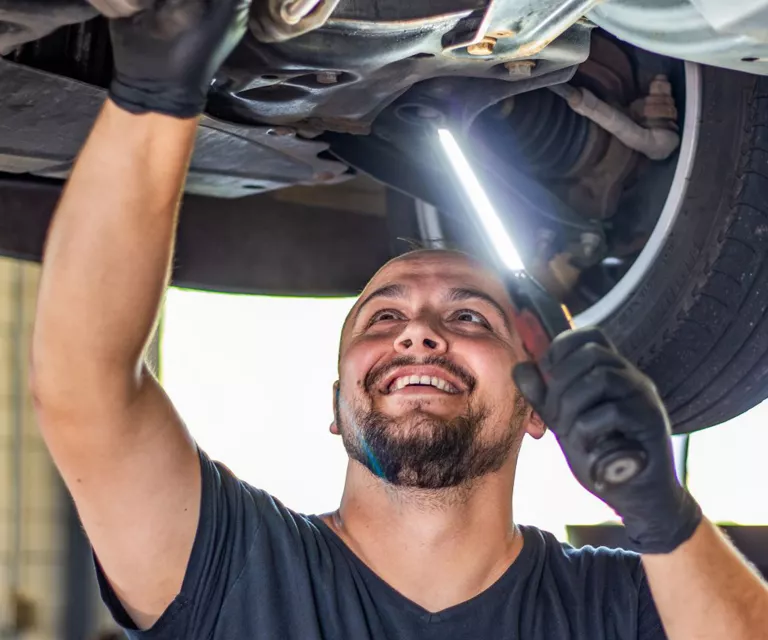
[334, 428]
[534, 425]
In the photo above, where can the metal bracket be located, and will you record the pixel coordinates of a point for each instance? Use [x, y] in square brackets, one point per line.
[45, 118]
[519, 37]
[280, 20]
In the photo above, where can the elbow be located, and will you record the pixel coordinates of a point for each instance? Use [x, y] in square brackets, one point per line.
[63, 390]
[45, 393]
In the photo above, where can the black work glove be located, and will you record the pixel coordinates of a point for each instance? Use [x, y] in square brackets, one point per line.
[166, 56]
[584, 391]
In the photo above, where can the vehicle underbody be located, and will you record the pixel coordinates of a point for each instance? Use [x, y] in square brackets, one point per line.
[321, 91]
[358, 85]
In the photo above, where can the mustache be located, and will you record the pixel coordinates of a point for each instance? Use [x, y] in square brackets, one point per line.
[376, 374]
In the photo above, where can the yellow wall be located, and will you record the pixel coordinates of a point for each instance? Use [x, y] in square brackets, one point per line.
[35, 574]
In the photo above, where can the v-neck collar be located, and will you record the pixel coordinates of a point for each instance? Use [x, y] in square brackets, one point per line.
[518, 567]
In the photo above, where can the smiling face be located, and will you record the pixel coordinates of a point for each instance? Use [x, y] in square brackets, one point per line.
[426, 395]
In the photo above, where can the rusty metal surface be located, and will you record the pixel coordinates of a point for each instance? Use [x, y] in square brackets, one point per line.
[337, 76]
[522, 28]
[44, 120]
[374, 63]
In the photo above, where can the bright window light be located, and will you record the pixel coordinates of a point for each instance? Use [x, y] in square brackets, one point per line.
[252, 378]
[727, 473]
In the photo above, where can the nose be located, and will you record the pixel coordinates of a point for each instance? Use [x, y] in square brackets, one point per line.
[420, 338]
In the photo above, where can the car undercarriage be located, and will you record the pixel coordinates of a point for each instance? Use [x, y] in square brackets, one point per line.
[358, 86]
[588, 120]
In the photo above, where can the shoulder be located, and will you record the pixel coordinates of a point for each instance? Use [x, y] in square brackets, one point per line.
[586, 563]
[262, 510]
[272, 525]
[607, 585]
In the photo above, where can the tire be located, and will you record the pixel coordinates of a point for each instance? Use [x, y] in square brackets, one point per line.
[697, 322]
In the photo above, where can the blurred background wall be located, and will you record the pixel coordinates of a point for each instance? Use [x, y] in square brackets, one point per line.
[47, 588]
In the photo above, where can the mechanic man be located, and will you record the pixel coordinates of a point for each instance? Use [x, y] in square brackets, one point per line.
[423, 544]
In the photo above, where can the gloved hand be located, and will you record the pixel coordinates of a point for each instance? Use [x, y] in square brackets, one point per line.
[166, 56]
[584, 391]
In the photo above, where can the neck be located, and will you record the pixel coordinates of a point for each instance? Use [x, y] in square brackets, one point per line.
[437, 548]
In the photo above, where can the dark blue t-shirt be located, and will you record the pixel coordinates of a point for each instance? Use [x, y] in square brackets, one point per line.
[260, 571]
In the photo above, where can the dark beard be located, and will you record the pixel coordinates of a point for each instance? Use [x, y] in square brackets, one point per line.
[432, 454]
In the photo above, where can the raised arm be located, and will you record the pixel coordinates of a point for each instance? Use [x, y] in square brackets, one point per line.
[125, 456]
[701, 585]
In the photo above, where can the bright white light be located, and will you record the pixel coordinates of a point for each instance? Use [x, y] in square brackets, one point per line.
[491, 221]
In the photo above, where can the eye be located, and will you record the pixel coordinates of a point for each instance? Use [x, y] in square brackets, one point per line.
[385, 315]
[472, 317]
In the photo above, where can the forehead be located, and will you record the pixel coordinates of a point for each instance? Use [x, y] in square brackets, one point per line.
[428, 275]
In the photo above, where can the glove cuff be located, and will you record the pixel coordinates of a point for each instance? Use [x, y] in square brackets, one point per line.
[148, 99]
[668, 535]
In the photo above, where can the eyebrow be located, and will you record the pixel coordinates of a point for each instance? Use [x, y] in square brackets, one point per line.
[464, 293]
[392, 291]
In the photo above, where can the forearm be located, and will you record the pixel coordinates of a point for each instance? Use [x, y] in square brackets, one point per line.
[704, 589]
[108, 253]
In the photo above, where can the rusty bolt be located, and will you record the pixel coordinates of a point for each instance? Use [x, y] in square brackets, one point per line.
[521, 68]
[327, 77]
[482, 48]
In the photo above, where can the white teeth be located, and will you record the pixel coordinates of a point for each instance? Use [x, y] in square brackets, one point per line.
[434, 381]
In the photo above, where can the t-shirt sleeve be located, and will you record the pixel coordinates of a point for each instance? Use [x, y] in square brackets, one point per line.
[649, 625]
[230, 516]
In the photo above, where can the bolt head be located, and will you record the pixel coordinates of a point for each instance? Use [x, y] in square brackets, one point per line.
[482, 48]
[589, 243]
[521, 68]
[327, 77]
